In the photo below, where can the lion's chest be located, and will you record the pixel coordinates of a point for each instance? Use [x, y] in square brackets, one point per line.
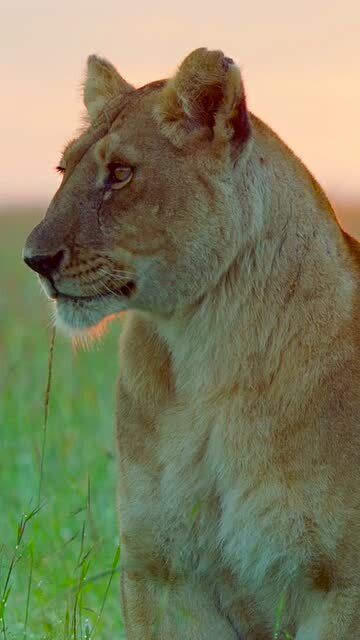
[214, 506]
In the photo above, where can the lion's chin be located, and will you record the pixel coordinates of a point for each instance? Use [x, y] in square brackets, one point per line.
[85, 316]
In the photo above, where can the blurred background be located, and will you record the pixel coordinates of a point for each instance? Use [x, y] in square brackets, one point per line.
[301, 65]
[300, 62]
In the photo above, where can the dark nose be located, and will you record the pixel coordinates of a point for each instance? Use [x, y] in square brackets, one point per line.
[45, 265]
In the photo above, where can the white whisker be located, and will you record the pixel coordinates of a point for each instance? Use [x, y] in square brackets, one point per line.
[117, 272]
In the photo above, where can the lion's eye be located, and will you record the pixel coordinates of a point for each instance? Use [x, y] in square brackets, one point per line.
[119, 175]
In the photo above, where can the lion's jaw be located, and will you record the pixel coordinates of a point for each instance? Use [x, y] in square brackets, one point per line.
[175, 226]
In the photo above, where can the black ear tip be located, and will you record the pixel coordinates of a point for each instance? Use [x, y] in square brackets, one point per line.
[228, 62]
[241, 123]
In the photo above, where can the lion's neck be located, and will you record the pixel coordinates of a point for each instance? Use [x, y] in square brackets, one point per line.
[270, 325]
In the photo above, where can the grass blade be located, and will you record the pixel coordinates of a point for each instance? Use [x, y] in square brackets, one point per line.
[46, 410]
[28, 592]
[113, 570]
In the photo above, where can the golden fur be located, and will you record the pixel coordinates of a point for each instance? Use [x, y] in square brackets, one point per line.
[238, 398]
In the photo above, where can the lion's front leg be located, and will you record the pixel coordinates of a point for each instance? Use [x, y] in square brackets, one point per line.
[173, 611]
[137, 608]
[156, 604]
[333, 616]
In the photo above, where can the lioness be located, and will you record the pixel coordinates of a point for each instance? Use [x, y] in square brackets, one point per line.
[239, 393]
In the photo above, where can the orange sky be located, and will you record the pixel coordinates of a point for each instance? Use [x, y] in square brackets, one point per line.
[300, 61]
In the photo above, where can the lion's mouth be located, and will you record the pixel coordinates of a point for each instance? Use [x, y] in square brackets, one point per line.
[126, 290]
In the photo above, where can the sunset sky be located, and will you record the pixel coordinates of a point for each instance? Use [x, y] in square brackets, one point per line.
[300, 62]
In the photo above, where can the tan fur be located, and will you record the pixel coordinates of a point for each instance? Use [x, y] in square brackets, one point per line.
[102, 83]
[238, 399]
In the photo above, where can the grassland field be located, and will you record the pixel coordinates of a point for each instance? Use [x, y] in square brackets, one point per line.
[61, 584]
[59, 565]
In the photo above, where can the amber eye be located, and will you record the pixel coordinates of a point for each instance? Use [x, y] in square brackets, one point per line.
[119, 175]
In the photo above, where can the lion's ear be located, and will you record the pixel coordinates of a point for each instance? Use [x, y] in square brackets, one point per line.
[102, 82]
[206, 95]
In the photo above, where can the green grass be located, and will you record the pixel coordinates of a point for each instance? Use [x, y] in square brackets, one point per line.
[59, 565]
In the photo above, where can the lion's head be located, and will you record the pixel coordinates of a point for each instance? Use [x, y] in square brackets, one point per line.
[147, 213]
